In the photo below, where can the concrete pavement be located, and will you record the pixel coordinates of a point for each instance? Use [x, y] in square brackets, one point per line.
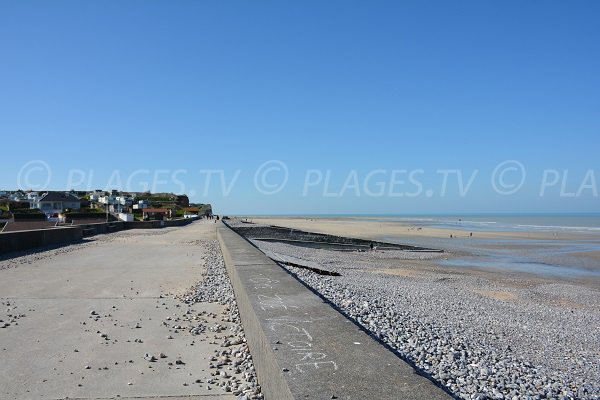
[82, 318]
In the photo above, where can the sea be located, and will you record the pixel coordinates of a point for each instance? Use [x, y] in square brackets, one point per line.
[563, 256]
[580, 222]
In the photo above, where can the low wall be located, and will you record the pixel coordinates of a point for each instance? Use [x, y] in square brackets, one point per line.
[179, 222]
[102, 227]
[144, 224]
[283, 233]
[25, 240]
[302, 347]
[159, 224]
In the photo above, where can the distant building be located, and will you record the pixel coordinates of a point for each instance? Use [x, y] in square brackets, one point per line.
[191, 212]
[154, 214]
[142, 204]
[107, 200]
[33, 196]
[95, 195]
[124, 200]
[56, 202]
[126, 217]
[19, 195]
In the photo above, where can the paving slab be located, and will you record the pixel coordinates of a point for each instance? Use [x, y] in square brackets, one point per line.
[302, 347]
[84, 319]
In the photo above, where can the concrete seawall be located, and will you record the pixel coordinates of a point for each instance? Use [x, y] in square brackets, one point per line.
[302, 347]
[282, 233]
[25, 240]
[29, 240]
[102, 227]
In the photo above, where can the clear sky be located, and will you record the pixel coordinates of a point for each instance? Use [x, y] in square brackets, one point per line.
[307, 106]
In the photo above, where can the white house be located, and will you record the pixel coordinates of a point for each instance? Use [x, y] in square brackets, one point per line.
[17, 196]
[108, 200]
[124, 200]
[126, 217]
[141, 205]
[32, 198]
[57, 202]
[95, 195]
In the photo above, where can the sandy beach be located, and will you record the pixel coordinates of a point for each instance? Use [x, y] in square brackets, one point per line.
[578, 250]
[371, 228]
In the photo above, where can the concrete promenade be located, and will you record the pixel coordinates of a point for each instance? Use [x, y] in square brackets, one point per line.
[100, 320]
[301, 346]
[83, 317]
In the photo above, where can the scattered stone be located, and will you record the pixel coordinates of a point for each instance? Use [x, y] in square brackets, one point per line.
[215, 287]
[475, 346]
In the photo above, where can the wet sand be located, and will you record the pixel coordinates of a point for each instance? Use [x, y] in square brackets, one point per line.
[527, 330]
[370, 229]
[571, 251]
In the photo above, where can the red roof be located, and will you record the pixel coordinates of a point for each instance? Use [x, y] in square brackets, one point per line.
[155, 210]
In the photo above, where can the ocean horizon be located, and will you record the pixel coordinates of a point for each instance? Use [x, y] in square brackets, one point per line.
[582, 222]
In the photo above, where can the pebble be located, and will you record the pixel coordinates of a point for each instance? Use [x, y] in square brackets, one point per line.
[215, 287]
[474, 346]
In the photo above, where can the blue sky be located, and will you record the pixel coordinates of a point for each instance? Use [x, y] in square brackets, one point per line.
[348, 97]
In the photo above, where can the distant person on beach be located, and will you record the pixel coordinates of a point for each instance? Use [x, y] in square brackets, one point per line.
[371, 246]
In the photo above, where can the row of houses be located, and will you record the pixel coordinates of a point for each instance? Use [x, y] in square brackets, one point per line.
[47, 202]
[52, 203]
